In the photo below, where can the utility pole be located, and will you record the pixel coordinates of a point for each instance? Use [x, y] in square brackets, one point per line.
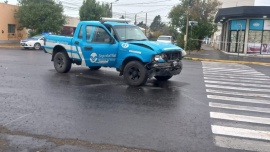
[145, 24]
[135, 19]
[186, 36]
[111, 7]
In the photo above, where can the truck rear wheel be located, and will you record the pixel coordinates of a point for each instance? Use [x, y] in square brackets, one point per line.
[163, 78]
[62, 62]
[135, 73]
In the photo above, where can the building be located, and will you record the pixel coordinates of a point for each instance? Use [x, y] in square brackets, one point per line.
[245, 29]
[242, 27]
[9, 29]
[70, 26]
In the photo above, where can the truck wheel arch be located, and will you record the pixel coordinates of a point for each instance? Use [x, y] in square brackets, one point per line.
[58, 48]
[127, 60]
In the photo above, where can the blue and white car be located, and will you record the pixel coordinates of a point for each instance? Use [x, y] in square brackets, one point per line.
[114, 43]
[36, 42]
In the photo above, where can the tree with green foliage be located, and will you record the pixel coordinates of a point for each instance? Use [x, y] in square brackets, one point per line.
[201, 11]
[141, 24]
[158, 28]
[156, 25]
[93, 10]
[40, 16]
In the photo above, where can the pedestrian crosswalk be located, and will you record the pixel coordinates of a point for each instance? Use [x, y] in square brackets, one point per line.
[239, 102]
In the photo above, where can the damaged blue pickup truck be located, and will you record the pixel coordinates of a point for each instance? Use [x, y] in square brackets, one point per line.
[115, 43]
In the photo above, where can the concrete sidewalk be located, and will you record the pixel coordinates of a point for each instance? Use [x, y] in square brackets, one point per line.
[10, 45]
[210, 54]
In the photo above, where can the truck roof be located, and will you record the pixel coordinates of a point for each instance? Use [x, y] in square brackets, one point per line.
[110, 23]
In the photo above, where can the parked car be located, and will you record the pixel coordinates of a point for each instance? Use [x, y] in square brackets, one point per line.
[165, 39]
[36, 42]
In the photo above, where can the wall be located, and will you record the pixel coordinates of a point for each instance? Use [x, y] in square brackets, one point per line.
[7, 17]
[235, 3]
[72, 21]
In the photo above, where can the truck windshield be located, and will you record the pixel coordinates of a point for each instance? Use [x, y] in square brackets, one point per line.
[130, 33]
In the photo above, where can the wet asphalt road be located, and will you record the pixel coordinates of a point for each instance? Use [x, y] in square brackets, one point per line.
[84, 110]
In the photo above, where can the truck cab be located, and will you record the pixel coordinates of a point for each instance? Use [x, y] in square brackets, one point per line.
[115, 43]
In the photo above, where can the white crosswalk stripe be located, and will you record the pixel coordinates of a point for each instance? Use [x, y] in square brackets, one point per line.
[233, 80]
[238, 94]
[235, 83]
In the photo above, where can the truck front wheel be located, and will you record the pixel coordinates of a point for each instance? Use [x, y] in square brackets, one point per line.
[62, 62]
[135, 73]
[163, 78]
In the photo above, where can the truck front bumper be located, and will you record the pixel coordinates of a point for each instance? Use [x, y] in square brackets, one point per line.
[164, 69]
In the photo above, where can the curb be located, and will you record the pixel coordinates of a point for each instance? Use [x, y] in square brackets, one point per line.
[228, 61]
[10, 47]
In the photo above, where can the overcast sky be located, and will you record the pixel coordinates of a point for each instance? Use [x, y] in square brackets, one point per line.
[129, 8]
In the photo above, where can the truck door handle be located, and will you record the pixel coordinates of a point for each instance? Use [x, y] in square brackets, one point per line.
[76, 42]
[88, 48]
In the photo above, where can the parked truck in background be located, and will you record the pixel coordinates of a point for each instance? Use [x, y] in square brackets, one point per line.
[115, 43]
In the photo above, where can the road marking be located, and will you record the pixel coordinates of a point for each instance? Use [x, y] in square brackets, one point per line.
[237, 107]
[230, 70]
[237, 88]
[234, 99]
[238, 84]
[243, 144]
[239, 132]
[237, 80]
[236, 77]
[238, 93]
[241, 118]
[234, 72]
[239, 74]
[219, 67]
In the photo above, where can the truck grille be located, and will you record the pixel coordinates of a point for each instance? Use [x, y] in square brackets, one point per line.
[173, 55]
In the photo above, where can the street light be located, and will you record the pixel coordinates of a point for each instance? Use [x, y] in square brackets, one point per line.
[111, 7]
[145, 20]
[136, 17]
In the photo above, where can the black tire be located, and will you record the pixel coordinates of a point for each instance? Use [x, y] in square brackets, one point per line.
[37, 46]
[95, 67]
[135, 73]
[62, 62]
[163, 78]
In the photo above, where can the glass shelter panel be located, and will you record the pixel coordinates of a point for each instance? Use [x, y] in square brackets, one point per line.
[254, 42]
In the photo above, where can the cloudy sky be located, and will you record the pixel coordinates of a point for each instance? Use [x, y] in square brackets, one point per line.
[129, 8]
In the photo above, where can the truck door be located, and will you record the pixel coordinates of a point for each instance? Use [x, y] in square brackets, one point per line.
[99, 48]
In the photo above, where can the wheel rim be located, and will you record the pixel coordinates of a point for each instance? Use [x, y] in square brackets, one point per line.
[134, 73]
[60, 61]
[37, 46]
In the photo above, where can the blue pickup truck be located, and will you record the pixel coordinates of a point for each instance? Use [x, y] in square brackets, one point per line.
[115, 43]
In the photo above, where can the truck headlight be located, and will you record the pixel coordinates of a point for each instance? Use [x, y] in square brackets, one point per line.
[157, 57]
